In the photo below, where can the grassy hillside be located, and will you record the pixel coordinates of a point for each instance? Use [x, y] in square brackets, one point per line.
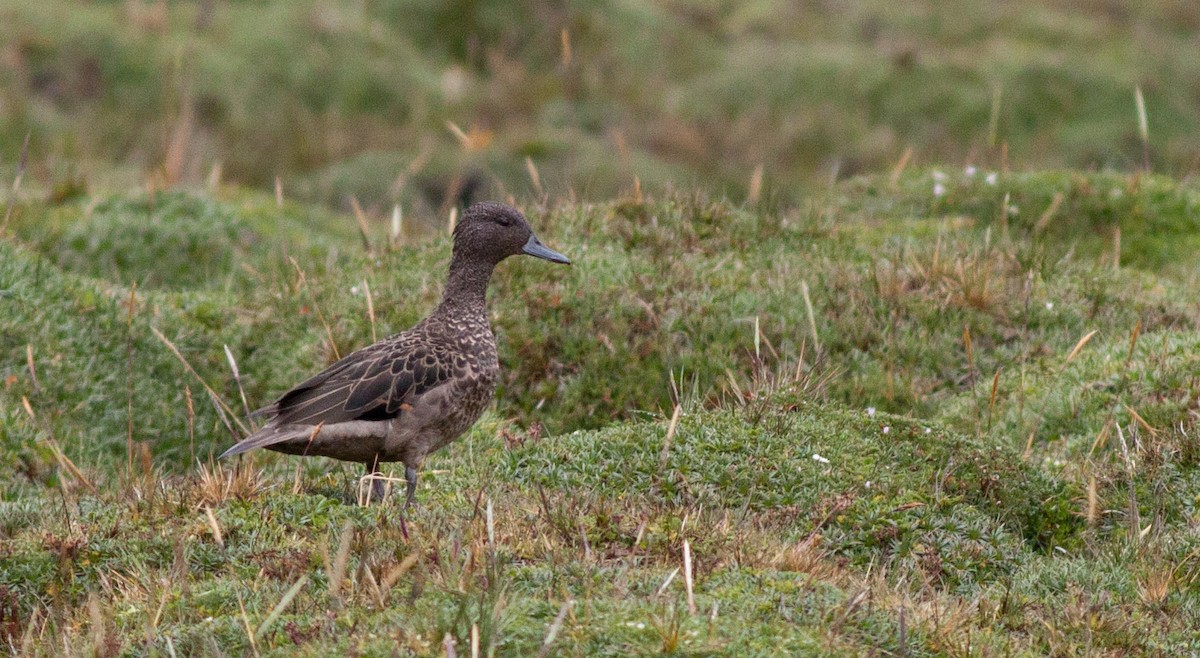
[940, 459]
[801, 392]
[345, 99]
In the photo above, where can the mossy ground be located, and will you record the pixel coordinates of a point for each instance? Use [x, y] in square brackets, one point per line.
[935, 462]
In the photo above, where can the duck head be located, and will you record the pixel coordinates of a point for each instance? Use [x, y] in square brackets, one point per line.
[493, 231]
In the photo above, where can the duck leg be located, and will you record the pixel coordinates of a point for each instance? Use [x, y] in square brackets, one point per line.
[378, 484]
[410, 479]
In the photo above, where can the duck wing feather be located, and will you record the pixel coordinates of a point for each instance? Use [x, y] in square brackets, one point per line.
[369, 384]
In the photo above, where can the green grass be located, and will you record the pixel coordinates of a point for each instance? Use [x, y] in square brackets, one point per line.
[980, 440]
[341, 100]
[827, 487]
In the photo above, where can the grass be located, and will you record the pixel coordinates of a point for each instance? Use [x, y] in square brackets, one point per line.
[945, 468]
[800, 393]
[601, 96]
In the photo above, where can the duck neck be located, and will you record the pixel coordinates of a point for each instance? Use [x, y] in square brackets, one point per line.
[466, 288]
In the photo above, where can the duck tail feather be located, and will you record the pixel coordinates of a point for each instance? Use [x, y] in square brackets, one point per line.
[268, 436]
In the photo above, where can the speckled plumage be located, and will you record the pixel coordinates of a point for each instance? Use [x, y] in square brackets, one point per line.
[412, 393]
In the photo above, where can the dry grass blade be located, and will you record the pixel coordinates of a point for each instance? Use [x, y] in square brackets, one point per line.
[992, 397]
[338, 570]
[162, 604]
[63, 461]
[33, 378]
[666, 449]
[218, 536]
[216, 485]
[1143, 125]
[534, 177]
[463, 138]
[246, 624]
[191, 421]
[1093, 502]
[397, 224]
[316, 307]
[994, 116]
[179, 142]
[97, 624]
[361, 218]
[397, 572]
[667, 583]
[1005, 208]
[1116, 262]
[901, 165]
[214, 177]
[1141, 421]
[491, 527]
[756, 184]
[734, 386]
[1135, 522]
[1133, 341]
[369, 576]
[284, 602]
[970, 353]
[1049, 213]
[370, 308]
[237, 377]
[555, 627]
[366, 484]
[1079, 346]
[216, 398]
[687, 577]
[757, 339]
[128, 377]
[16, 186]
[812, 317]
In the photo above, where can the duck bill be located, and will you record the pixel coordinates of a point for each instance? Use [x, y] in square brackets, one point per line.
[534, 247]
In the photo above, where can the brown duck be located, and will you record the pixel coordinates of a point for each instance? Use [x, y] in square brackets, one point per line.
[412, 393]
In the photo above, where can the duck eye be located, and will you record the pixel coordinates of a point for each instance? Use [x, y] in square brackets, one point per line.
[504, 220]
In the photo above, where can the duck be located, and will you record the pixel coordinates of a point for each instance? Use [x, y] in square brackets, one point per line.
[412, 393]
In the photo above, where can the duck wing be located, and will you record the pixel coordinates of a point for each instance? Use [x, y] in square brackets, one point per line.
[369, 384]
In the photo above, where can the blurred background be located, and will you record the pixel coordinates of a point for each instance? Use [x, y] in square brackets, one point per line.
[429, 103]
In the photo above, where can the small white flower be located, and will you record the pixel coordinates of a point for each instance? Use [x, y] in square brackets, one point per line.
[990, 179]
[871, 412]
[886, 429]
[1049, 306]
[970, 171]
[928, 430]
[938, 175]
[939, 189]
[1012, 210]
[819, 458]
[353, 290]
[868, 484]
